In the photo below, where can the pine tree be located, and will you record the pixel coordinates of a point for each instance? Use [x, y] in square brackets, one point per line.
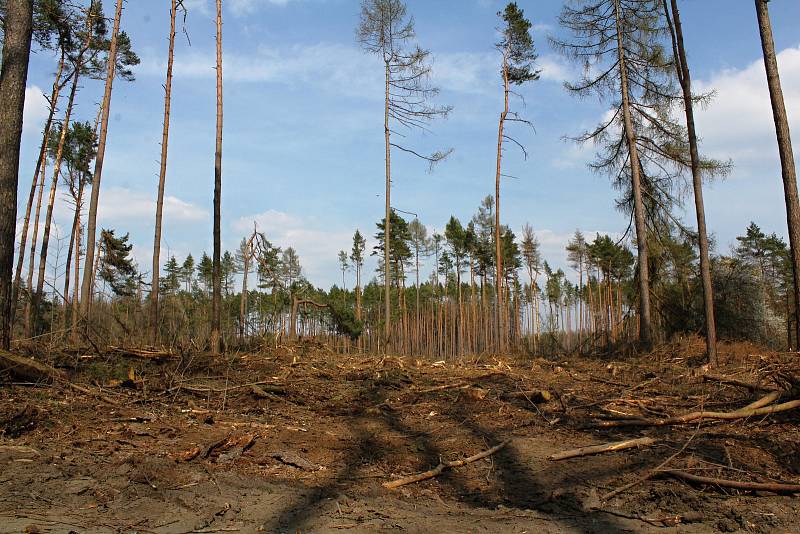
[357, 258]
[518, 57]
[386, 29]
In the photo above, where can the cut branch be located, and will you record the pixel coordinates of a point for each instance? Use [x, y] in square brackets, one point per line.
[598, 449]
[439, 469]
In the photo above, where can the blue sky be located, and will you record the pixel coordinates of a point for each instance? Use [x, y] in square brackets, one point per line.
[303, 138]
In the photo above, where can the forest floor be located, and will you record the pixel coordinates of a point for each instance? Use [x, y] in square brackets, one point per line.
[189, 445]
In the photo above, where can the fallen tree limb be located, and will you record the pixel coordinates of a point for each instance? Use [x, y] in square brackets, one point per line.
[650, 474]
[752, 410]
[735, 382]
[773, 487]
[29, 369]
[598, 449]
[265, 386]
[439, 469]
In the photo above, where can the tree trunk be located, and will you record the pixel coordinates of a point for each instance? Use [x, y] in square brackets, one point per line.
[13, 76]
[76, 280]
[243, 299]
[34, 238]
[73, 248]
[91, 226]
[387, 224]
[697, 182]
[37, 175]
[497, 238]
[636, 179]
[788, 171]
[162, 178]
[216, 297]
[36, 296]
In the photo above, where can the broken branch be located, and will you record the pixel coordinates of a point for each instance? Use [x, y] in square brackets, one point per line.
[439, 469]
[773, 487]
[598, 449]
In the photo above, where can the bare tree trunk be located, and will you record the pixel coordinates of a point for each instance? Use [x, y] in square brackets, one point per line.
[387, 224]
[34, 238]
[697, 180]
[788, 171]
[13, 76]
[162, 178]
[76, 283]
[243, 299]
[216, 281]
[497, 237]
[37, 175]
[91, 226]
[74, 234]
[636, 179]
[36, 296]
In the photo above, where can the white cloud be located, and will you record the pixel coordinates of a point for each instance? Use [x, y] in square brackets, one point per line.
[315, 242]
[738, 124]
[238, 8]
[553, 246]
[344, 69]
[36, 110]
[119, 204]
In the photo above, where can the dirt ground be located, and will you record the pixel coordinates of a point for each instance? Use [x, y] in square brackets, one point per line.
[190, 445]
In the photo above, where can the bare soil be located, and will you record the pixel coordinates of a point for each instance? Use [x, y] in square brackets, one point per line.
[186, 445]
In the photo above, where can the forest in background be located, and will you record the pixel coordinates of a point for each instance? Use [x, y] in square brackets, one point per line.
[475, 287]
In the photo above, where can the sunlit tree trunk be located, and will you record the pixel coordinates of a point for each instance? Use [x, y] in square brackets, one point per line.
[638, 206]
[697, 180]
[387, 226]
[87, 284]
[216, 282]
[497, 236]
[162, 178]
[788, 171]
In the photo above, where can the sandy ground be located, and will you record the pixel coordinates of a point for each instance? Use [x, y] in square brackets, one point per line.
[189, 446]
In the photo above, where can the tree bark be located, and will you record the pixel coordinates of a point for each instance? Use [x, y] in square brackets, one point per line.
[216, 297]
[162, 178]
[697, 183]
[788, 171]
[636, 179]
[74, 247]
[497, 237]
[387, 225]
[34, 238]
[91, 226]
[13, 76]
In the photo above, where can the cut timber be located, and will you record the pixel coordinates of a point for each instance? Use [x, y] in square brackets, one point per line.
[439, 469]
[598, 449]
[735, 382]
[752, 410]
[28, 369]
[773, 487]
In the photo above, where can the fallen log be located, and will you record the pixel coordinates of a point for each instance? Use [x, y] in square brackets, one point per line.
[439, 469]
[772, 487]
[735, 382]
[752, 410]
[598, 449]
[29, 369]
